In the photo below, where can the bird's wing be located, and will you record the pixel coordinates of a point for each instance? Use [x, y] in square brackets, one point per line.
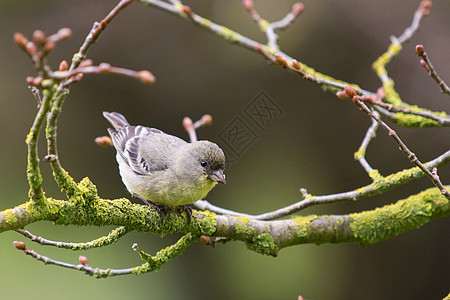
[146, 150]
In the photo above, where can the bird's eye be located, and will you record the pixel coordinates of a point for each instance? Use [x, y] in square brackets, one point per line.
[203, 163]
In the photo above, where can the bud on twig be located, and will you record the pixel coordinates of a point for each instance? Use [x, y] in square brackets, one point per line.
[204, 239]
[187, 10]
[104, 67]
[31, 48]
[20, 40]
[296, 65]
[104, 141]
[39, 37]
[49, 46]
[19, 245]
[64, 33]
[298, 8]
[38, 80]
[63, 66]
[146, 77]
[187, 122]
[83, 260]
[86, 63]
[350, 91]
[424, 64]
[426, 6]
[342, 95]
[206, 120]
[280, 60]
[248, 4]
[419, 49]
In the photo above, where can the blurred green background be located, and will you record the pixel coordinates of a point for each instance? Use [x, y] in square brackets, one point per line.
[311, 145]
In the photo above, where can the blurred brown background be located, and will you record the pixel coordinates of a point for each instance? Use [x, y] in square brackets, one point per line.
[310, 145]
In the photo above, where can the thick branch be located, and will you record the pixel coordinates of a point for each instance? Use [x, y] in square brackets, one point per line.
[266, 237]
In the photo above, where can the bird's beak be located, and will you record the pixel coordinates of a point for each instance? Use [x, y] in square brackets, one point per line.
[218, 176]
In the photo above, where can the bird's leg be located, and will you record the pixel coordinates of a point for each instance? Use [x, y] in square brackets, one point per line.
[188, 210]
[161, 209]
[182, 208]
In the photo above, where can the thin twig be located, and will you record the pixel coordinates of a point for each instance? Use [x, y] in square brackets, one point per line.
[422, 10]
[360, 155]
[191, 127]
[112, 237]
[62, 177]
[412, 157]
[88, 270]
[145, 76]
[95, 32]
[426, 63]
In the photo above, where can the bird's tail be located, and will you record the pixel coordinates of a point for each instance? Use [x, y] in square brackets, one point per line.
[117, 120]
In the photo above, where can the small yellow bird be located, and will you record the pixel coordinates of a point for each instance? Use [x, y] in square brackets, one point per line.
[164, 170]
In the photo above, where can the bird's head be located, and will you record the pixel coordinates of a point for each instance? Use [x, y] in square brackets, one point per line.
[203, 160]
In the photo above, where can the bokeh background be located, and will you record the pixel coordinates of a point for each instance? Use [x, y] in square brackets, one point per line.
[310, 145]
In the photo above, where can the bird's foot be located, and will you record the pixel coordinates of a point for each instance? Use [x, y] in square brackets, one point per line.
[163, 210]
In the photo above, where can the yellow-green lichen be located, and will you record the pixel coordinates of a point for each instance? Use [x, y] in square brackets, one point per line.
[263, 244]
[360, 153]
[379, 65]
[263, 25]
[205, 224]
[415, 121]
[205, 22]
[228, 34]
[241, 227]
[379, 224]
[302, 223]
[375, 175]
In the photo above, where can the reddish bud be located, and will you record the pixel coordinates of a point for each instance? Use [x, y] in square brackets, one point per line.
[419, 49]
[367, 99]
[298, 8]
[187, 122]
[258, 48]
[205, 240]
[280, 60]
[296, 65]
[248, 4]
[83, 260]
[355, 100]
[77, 77]
[63, 66]
[20, 40]
[39, 37]
[187, 10]
[381, 93]
[104, 141]
[49, 46]
[86, 63]
[19, 245]
[342, 95]
[29, 79]
[350, 91]
[424, 64]
[64, 33]
[206, 119]
[426, 6]
[104, 67]
[31, 48]
[146, 77]
[38, 80]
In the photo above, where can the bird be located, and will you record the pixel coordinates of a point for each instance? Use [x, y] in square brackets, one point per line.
[162, 170]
